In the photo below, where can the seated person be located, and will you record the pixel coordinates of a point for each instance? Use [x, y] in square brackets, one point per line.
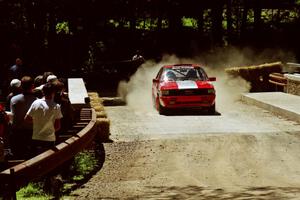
[170, 76]
[192, 75]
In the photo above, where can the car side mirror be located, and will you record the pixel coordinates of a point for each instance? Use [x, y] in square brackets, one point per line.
[155, 80]
[212, 78]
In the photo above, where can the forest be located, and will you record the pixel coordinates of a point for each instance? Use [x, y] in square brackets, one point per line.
[63, 35]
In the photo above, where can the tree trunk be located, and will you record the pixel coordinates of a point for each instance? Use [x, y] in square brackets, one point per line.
[257, 16]
[200, 21]
[229, 20]
[217, 22]
[244, 19]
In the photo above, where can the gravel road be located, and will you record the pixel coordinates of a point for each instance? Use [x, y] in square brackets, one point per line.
[243, 152]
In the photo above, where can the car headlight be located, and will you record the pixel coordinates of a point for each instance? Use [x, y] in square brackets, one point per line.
[164, 92]
[211, 91]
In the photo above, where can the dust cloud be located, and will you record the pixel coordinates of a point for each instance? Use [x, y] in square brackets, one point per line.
[137, 91]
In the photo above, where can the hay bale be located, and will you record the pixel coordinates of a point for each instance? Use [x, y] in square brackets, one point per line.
[99, 108]
[257, 75]
[103, 129]
[101, 114]
[102, 123]
[93, 94]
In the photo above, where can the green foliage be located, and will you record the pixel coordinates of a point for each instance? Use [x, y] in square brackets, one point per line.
[146, 24]
[207, 20]
[84, 163]
[62, 28]
[164, 23]
[288, 16]
[32, 191]
[141, 23]
[114, 23]
[250, 16]
[189, 22]
[267, 15]
[126, 23]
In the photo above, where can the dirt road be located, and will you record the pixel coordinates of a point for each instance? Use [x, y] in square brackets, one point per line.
[244, 153]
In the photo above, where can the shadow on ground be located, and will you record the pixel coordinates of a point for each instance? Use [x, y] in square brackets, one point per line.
[195, 192]
[186, 112]
[70, 184]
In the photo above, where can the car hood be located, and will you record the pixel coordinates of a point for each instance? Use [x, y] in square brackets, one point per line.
[173, 85]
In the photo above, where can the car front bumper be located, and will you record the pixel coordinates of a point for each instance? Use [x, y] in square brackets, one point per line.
[187, 101]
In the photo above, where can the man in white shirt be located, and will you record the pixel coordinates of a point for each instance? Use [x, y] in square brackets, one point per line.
[45, 115]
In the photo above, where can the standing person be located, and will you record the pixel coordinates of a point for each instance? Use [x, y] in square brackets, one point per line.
[3, 129]
[45, 115]
[15, 89]
[3, 122]
[38, 86]
[61, 97]
[21, 130]
[17, 70]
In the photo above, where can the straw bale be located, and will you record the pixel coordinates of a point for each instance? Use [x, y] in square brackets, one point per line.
[274, 65]
[101, 114]
[103, 128]
[99, 108]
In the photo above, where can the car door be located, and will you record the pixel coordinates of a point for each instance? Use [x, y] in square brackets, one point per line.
[155, 85]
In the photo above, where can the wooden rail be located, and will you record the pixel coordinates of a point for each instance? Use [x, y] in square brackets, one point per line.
[78, 138]
[278, 79]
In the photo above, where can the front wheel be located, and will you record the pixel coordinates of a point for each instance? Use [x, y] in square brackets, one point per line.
[212, 109]
[161, 110]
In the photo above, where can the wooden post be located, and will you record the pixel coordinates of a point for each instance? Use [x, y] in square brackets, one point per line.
[12, 187]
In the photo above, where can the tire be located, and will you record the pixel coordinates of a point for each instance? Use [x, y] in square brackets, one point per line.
[212, 109]
[161, 110]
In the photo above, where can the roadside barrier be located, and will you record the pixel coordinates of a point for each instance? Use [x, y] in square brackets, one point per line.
[90, 124]
[81, 135]
[279, 80]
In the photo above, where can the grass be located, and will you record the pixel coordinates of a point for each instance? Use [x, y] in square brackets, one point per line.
[33, 191]
[84, 164]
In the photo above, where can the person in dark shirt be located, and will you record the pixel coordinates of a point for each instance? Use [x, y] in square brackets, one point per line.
[17, 70]
[14, 89]
[21, 130]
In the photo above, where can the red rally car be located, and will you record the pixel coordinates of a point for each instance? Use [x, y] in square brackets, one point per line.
[183, 86]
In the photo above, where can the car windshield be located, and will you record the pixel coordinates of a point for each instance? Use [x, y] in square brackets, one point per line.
[184, 73]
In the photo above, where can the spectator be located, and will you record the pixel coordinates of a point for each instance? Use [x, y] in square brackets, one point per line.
[38, 85]
[15, 89]
[45, 115]
[138, 57]
[38, 81]
[17, 70]
[61, 97]
[3, 122]
[21, 130]
[3, 132]
[51, 78]
[45, 76]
